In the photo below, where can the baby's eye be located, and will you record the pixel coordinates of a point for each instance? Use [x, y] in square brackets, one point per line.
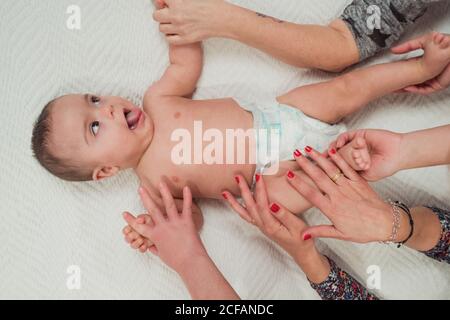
[95, 100]
[94, 127]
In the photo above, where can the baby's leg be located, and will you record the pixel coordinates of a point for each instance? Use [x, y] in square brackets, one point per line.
[281, 192]
[332, 100]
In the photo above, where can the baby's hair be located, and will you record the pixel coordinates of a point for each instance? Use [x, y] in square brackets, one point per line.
[40, 142]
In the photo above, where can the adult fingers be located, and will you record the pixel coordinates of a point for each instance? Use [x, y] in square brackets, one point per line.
[143, 229]
[187, 202]
[344, 166]
[409, 46]
[169, 203]
[326, 165]
[129, 218]
[269, 223]
[420, 89]
[250, 203]
[261, 197]
[323, 231]
[152, 209]
[316, 174]
[314, 196]
[287, 219]
[237, 207]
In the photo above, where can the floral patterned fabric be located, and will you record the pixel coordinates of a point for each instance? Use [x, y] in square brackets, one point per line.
[441, 251]
[341, 286]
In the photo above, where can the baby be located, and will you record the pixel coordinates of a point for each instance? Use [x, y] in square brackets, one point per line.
[81, 137]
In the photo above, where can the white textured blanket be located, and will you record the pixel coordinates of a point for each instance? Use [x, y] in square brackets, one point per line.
[48, 225]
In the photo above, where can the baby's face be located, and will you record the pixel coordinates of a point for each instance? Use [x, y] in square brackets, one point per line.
[103, 132]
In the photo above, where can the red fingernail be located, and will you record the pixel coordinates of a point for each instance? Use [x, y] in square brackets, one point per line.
[307, 237]
[274, 208]
[224, 195]
[297, 153]
[237, 179]
[308, 149]
[290, 175]
[333, 151]
[257, 177]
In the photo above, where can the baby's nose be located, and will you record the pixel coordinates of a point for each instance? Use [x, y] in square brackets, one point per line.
[108, 111]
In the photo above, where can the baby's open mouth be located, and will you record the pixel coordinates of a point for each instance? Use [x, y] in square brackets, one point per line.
[132, 117]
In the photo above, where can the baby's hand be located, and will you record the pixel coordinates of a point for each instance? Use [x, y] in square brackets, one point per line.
[136, 240]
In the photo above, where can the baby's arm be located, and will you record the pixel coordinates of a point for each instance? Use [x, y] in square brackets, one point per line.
[181, 77]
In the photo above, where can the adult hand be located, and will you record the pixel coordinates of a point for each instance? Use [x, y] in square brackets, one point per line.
[175, 237]
[190, 21]
[357, 213]
[384, 149]
[273, 220]
[439, 83]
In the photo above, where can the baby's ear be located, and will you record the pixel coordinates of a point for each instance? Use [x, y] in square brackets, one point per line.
[104, 172]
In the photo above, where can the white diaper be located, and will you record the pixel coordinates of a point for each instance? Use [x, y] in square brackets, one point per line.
[296, 130]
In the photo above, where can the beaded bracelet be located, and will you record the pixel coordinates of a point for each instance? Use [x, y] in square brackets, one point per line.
[396, 207]
[405, 208]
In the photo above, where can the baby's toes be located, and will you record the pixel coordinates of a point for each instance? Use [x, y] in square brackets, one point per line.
[365, 157]
[360, 164]
[356, 155]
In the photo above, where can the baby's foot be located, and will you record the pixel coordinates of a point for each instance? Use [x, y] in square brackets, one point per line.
[356, 154]
[135, 240]
[437, 54]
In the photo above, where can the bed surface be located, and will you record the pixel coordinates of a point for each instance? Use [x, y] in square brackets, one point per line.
[49, 225]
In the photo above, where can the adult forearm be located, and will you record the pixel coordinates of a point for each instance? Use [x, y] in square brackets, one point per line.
[205, 282]
[314, 265]
[427, 229]
[330, 48]
[425, 148]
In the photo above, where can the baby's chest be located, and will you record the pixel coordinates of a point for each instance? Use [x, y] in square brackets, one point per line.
[160, 167]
